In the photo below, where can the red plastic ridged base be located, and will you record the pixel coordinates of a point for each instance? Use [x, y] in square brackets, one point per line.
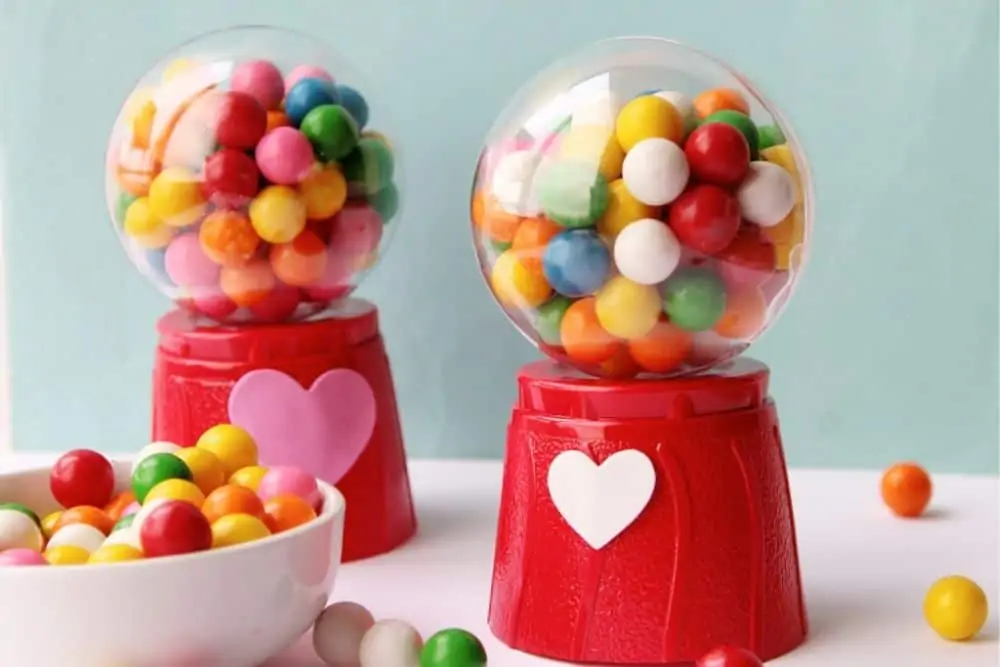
[711, 560]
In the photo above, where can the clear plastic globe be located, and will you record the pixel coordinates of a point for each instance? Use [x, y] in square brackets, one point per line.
[252, 177]
[639, 209]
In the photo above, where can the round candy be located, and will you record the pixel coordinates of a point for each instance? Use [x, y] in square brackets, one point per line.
[285, 156]
[745, 314]
[647, 252]
[159, 447]
[240, 120]
[648, 117]
[155, 469]
[80, 535]
[306, 72]
[331, 130]
[572, 193]
[718, 153]
[694, 298]
[548, 319]
[623, 209]
[306, 95]
[232, 445]
[174, 527]
[119, 504]
[583, 337]
[206, 469]
[278, 214]
[324, 192]
[177, 489]
[518, 284]
[767, 194]
[301, 262]
[231, 499]
[369, 167]
[515, 182]
[705, 218]
[742, 123]
[576, 262]
[260, 79]
[386, 202]
[247, 285]
[276, 119]
[531, 238]
[453, 648]
[19, 531]
[124, 523]
[144, 511]
[956, 608]
[655, 171]
[126, 536]
[664, 349]
[626, 309]
[286, 480]
[175, 197]
[906, 489]
[188, 265]
[770, 135]
[280, 304]
[92, 516]
[683, 104]
[595, 145]
[391, 642]
[248, 477]
[355, 104]
[23, 509]
[230, 178]
[144, 228]
[338, 631]
[233, 529]
[286, 512]
[67, 554]
[748, 261]
[115, 553]
[49, 523]
[82, 477]
[16, 557]
[719, 99]
[228, 238]
[729, 656]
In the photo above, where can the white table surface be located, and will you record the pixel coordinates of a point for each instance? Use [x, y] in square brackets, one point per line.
[865, 572]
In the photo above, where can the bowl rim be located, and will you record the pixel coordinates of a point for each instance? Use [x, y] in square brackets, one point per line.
[334, 507]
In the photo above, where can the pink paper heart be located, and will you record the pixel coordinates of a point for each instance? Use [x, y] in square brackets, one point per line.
[322, 430]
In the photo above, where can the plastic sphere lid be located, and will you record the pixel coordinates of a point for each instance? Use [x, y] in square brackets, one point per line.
[252, 177]
[639, 208]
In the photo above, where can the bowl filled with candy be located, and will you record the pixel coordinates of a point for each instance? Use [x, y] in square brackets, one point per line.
[180, 556]
[641, 209]
[251, 176]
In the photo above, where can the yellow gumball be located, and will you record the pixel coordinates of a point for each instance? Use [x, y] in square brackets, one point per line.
[626, 309]
[518, 284]
[67, 554]
[234, 529]
[175, 197]
[141, 225]
[115, 553]
[278, 214]
[207, 470]
[249, 477]
[324, 192]
[176, 489]
[623, 209]
[648, 117]
[49, 523]
[788, 235]
[956, 608]
[177, 68]
[232, 445]
[596, 145]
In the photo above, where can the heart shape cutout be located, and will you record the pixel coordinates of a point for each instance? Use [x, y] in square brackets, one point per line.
[600, 501]
[322, 430]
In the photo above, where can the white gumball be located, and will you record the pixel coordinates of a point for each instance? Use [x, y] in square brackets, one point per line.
[19, 531]
[684, 106]
[647, 252]
[81, 535]
[128, 536]
[766, 195]
[391, 643]
[515, 183]
[655, 171]
[160, 447]
[338, 632]
[599, 109]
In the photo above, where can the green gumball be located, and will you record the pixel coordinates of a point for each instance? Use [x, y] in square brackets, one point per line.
[572, 194]
[770, 135]
[23, 509]
[742, 123]
[154, 469]
[331, 130]
[123, 523]
[453, 648]
[386, 202]
[125, 200]
[369, 167]
[548, 319]
[694, 298]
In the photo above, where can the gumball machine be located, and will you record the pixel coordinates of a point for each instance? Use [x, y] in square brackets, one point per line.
[253, 180]
[641, 213]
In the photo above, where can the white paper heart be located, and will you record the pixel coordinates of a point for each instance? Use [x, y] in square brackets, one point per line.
[600, 501]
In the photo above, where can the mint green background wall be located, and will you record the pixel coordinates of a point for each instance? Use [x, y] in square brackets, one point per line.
[889, 349]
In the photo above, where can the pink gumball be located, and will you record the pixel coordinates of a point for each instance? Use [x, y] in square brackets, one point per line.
[336, 281]
[356, 231]
[289, 481]
[187, 265]
[261, 80]
[279, 304]
[14, 557]
[215, 305]
[306, 72]
[285, 156]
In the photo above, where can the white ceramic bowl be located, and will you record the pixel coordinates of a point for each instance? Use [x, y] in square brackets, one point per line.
[234, 607]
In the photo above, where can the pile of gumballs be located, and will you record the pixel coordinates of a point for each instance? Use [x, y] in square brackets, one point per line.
[653, 237]
[181, 500]
[252, 196]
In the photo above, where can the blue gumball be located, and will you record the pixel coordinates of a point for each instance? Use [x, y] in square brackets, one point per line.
[306, 95]
[576, 262]
[355, 104]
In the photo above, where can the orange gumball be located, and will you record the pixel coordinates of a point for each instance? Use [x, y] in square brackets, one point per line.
[117, 506]
[228, 238]
[287, 512]
[276, 119]
[620, 365]
[663, 349]
[745, 314]
[906, 489]
[499, 225]
[92, 516]
[720, 99]
[231, 499]
[247, 285]
[531, 238]
[478, 213]
[300, 262]
[583, 337]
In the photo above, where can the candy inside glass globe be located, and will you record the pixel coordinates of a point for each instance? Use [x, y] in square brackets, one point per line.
[640, 209]
[252, 176]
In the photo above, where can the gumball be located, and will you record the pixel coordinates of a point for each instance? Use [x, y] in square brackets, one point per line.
[956, 608]
[49, 523]
[247, 285]
[514, 183]
[355, 104]
[718, 154]
[285, 480]
[231, 499]
[79, 535]
[306, 95]
[648, 117]
[729, 656]
[684, 106]
[355, 231]
[694, 298]
[126, 536]
[125, 199]
[67, 554]
[767, 194]
[215, 306]
[240, 120]
[232, 445]
[18, 557]
[278, 214]
[623, 209]
[207, 471]
[301, 262]
[498, 224]
[115, 553]
[19, 531]
[119, 504]
[230, 178]
[742, 123]
[369, 167]
[124, 523]
[175, 527]
[324, 192]
[518, 284]
[233, 529]
[82, 477]
[663, 349]
[655, 171]
[745, 314]
[331, 130]
[453, 648]
[647, 252]
[261, 80]
[175, 197]
[228, 238]
[583, 337]
[576, 262]
[92, 516]
[285, 156]
[177, 489]
[145, 229]
[306, 72]
[705, 218]
[23, 509]
[789, 235]
[390, 642]
[531, 238]
[719, 99]
[280, 304]
[906, 489]
[770, 135]
[627, 309]
[142, 515]
[154, 469]
[248, 477]
[338, 631]
[571, 193]
[594, 145]
[285, 512]
[188, 265]
[748, 261]
[158, 447]
[276, 119]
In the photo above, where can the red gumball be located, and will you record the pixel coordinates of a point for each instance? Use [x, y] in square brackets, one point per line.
[175, 527]
[280, 303]
[230, 178]
[748, 261]
[82, 477]
[729, 656]
[240, 121]
[718, 153]
[705, 218]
